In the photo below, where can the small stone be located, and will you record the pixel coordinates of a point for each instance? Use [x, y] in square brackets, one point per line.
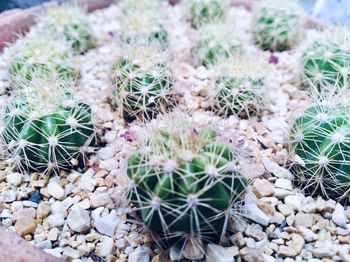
[14, 179]
[275, 169]
[307, 234]
[46, 244]
[54, 252]
[263, 188]
[193, 251]
[25, 226]
[277, 218]
[253, 170]
[298, 243]
[295, 201]
[218, 253]
[106, 247]
[140, 254]
[330, 206]
[38, 180]
[323, 252]
[255, 231]
[255, 214]
[284, 184]
[303, 220]
[249, 255]
[238, 239]
[107, 224]
[70, 253]
[53, 234]
[43, 210]
[35, 197]
[285, 251]
[320, 204]
[8, 196]
[284, 209]
[56, 220]
[78, 219]
[100, 200]
[338, 216]
[55, 190]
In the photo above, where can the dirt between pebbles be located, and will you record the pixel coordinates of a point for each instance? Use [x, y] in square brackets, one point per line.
[283, 223]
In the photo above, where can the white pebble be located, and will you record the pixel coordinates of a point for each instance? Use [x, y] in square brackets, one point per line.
[14, 179]
[55, 190]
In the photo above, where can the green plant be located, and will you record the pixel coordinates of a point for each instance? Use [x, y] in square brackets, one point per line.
[203, 11]
[45, 128]
[143, 83]
[67, 22]
[277, 25]
[326, 61]
[238, 89]
[215, 41]
[41, 56]
[320, 142]
[184, 181]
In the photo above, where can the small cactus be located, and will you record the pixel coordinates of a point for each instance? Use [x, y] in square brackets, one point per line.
[277, 25]
[326, 61]
[41, 56]
[44, 128]
[184, 181]
[238, 89]
[320, 143]
[67, 22]
[143, 83]
[200, 12]
[214, 42]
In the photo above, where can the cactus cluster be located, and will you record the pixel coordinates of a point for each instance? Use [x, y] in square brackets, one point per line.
[143, 83]
[238, 90]
[200, 12]
[326, 61]
[277, 25]
[184, 181]
[320, 142]
[45, 128]
[215, 41]
[67, 22]
[41, 56]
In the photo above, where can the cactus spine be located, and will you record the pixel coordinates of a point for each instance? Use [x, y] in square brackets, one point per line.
[277, 25]
[184, 183]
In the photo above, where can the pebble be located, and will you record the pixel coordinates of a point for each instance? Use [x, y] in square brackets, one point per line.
[56, 220]
[107, 224]
[53, 234]
[14, 179]
[253, 212]
[193, 251]
[284, 184]
[8, 196]
[338, 216]
[275, 169]
[263, 188]
[307, 234]
[46, 244]
[55, 190]
[78, 219]
[99, 200]
[284, 209]
[323, 252]
[303, 220]
[26, 212]
[298, 243]
[255, 231]
[25, 226]
[295, 201]
[140, 254]
[106, 247]
[43, 210]
[285, 251]
[238, 239]
[218, 253]
[69, 252]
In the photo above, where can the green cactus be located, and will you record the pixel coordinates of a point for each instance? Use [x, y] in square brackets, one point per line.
[144, 26]
[326, 61]
[44, 128]
[277, 25]
[41, 56]
[238, 90]
[143, 83]
[214, 42]
[67, 22]
[184, 182]
[320, 140]
[204, 11]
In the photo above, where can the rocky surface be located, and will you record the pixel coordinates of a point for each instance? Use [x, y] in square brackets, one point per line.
[82, 216]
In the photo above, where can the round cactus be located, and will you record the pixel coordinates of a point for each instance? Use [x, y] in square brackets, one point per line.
[44, 128]
[238, 89]
[277, 25]
[184, 181]
[320, 141]
[215, 42]
[144, 84]
[67, 22]
[41, 56]
[200, 12]
[326, 61]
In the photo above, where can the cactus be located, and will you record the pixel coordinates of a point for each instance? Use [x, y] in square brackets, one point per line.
[277, 25]
[215, 41]
[326, 61]
[40, 56]
[44, 128]
[67, 22]
[320, 142]
[143, 83]
[143, 26]
[238, 89]
[184, 181]
[200, 12]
